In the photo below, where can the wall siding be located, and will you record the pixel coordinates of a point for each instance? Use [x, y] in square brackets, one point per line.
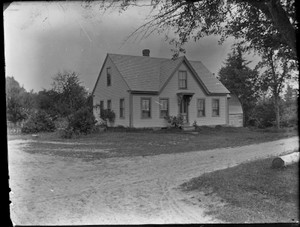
[170, 92]
[155, 120]
[192, 85]
[236, 120]
[119, 89]
[115, 92]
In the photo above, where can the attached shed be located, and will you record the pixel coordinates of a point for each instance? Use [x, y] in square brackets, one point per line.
[235, 111]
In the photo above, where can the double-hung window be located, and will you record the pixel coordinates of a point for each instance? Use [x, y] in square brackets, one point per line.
[101, 105]
[109, 104]
[108, 76]
[201, 107]
[146, 107]
[122, 108]
[164, 107]
[182, 80]
[215, 107]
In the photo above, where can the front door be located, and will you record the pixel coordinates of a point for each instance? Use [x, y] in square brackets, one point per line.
[183, 109]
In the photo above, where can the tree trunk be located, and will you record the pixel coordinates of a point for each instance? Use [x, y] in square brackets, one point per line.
[277, 111]
[276, 13]
[244, 115]
[283, 24]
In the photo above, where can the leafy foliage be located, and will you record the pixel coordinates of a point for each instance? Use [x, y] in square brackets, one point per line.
[263, 115]
[175, 121]
[82, 121]
[38, 122]
[240, 80]
[107, 115]
[19, 102]
[15, 110]
[67, 93]
[66, 133]
[46, 100]
[67, 105]
[278, 70]
[289, 115]
[250, 21]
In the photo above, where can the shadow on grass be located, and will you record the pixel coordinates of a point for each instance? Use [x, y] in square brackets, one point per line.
[253, 192]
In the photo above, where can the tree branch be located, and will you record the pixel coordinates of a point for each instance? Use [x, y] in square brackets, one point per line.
[274, 11]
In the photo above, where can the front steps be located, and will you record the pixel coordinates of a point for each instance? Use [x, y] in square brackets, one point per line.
[188, 128]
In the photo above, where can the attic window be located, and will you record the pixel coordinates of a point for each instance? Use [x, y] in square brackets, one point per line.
[182, 80]
[108, 76]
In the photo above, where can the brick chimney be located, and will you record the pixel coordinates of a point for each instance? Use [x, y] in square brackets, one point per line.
[146, 52]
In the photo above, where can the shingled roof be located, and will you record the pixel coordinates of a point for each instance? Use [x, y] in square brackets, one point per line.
[150, 74]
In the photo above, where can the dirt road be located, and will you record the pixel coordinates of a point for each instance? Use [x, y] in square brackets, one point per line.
[134, 190]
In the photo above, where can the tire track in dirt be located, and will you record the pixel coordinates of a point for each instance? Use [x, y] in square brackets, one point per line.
[131, 190]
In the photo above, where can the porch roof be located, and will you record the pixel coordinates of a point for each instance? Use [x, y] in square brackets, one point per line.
[186, 92]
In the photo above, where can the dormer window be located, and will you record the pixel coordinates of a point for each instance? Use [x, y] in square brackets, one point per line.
[108, 76]
[182, 80]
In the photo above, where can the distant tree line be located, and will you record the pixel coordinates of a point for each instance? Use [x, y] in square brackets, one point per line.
[66, 106]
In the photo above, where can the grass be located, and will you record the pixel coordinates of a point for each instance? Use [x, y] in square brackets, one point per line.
[251, 192]
[121, 142]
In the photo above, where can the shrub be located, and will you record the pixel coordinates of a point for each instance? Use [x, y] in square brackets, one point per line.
[289, 117]
[107, 115]
[218, 126]
[61, 123]
[66, 133]
[82, 121]
[175, 121]
[38, 122]
[263, 115]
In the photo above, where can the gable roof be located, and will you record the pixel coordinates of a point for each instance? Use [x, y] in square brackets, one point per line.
[150, 74]
[212, 84]
[140, 73]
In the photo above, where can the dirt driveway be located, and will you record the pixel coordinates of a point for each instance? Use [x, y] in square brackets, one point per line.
[134, 190]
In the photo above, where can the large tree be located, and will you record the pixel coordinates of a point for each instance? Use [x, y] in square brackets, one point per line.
[241, 80]
[68, 93]
[19, 103]
[278, 71]
[46, 101]
[193, 19]
[15, 108]
[277, 61]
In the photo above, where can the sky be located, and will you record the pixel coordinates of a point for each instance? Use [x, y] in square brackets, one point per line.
[44, 38]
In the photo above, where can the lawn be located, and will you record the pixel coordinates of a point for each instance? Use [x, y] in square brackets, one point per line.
[250, 192]
[120, 143]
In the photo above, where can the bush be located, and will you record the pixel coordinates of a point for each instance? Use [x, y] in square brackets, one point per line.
[107, 115]
[175, 121]
[61, 123]
[289, 117]
[82, 122]
[66, 133]
[38, 122]
[263, 115]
